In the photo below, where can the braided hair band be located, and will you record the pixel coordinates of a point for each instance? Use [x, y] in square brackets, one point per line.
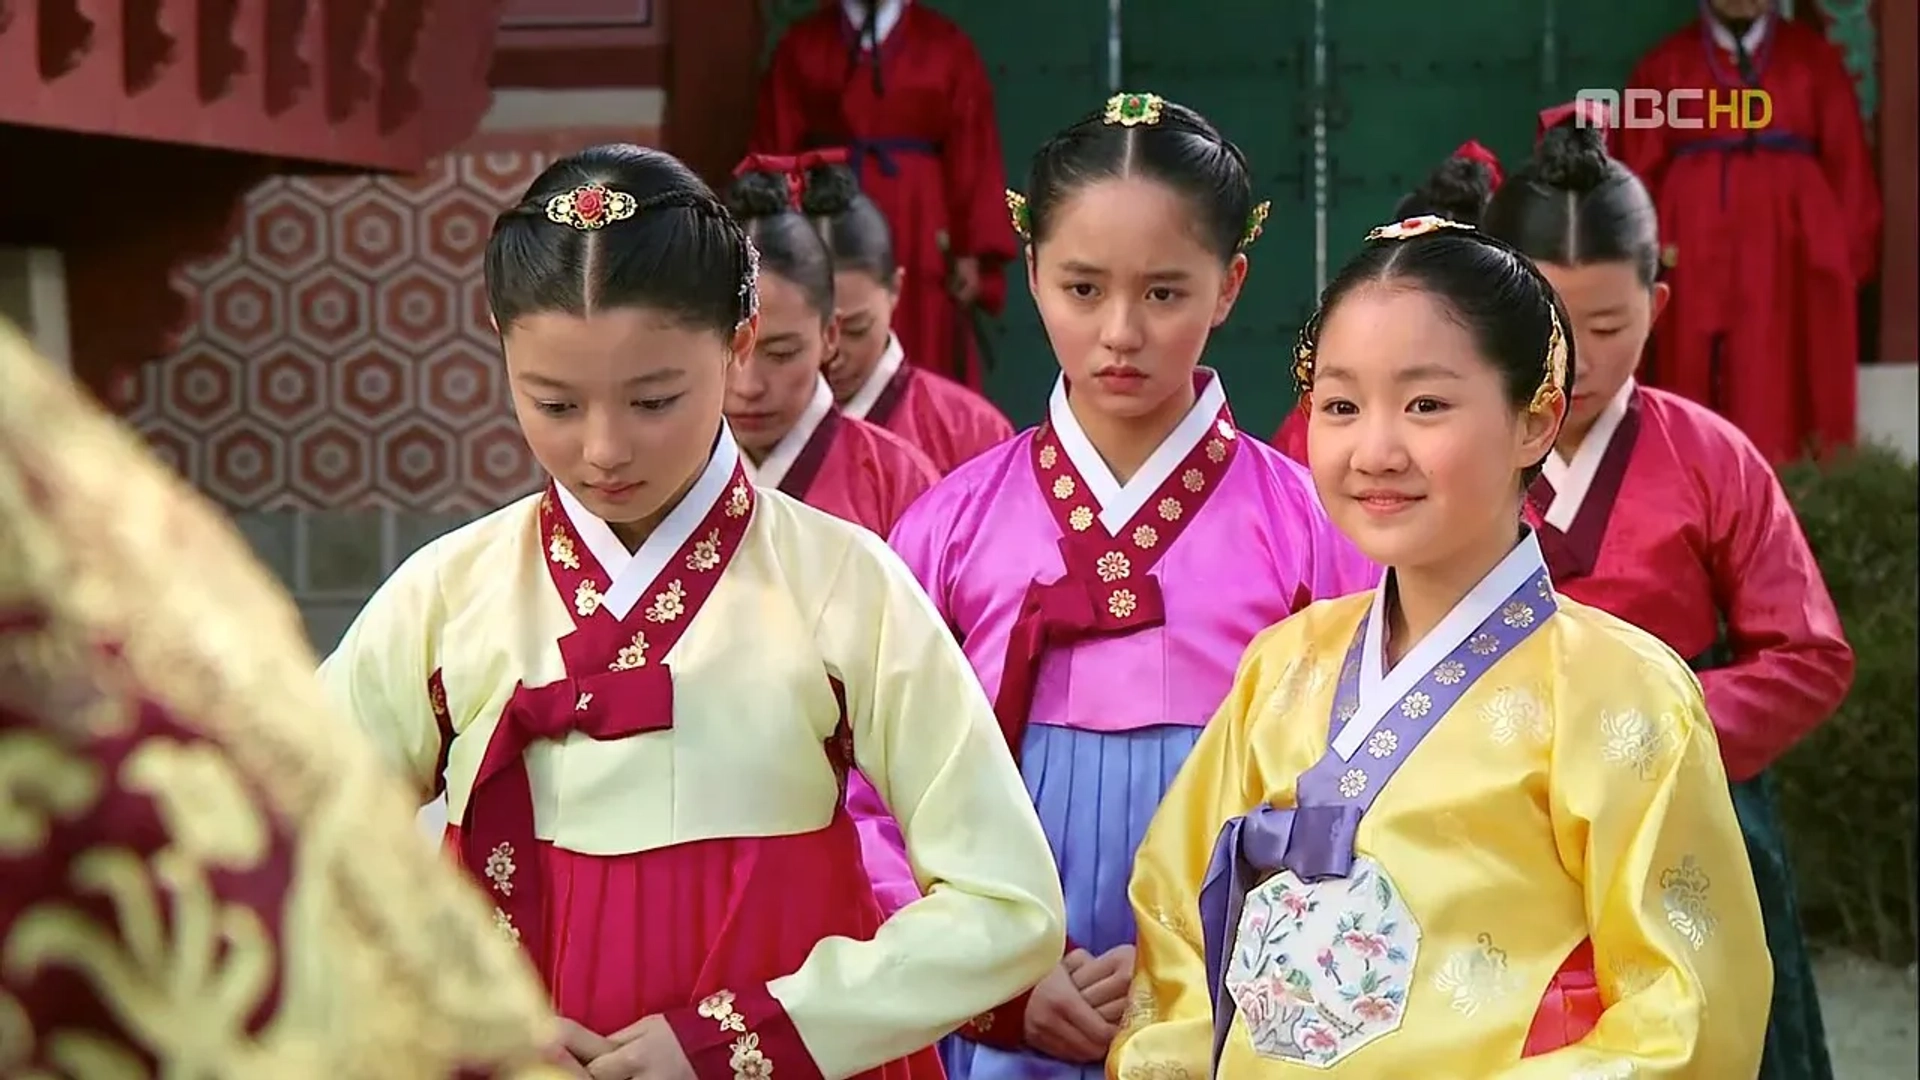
[1553, 384]
[1128, 111]
[591, 207]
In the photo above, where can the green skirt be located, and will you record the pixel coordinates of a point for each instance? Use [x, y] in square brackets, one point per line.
[1796, 1036]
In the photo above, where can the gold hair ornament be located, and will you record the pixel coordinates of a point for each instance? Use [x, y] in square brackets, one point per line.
[1017, 212]
[590, 206]
[1256, 224]
[1133, 110]
[1414, 226]
[1552, 384]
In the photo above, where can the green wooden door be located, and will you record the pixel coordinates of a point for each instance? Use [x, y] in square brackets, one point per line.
[1048, 70]
[1399, 102]
[1247, 65]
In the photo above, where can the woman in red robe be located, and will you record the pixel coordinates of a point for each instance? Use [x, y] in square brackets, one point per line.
[1769, 233]
[904, 89]
[868, 372]
[779, 405]
[1657, 510]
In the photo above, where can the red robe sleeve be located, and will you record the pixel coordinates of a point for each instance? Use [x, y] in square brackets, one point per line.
[1846, 158]
[1645, 150]
[976, 179]
[1291, 439]
[779, 121]
[1791, 663]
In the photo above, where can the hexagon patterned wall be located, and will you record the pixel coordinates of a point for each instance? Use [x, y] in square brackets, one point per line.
[340, 355]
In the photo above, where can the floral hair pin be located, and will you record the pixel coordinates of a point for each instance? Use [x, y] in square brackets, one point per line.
[1414, 226]
[1553, 386]
[1017, 212]
[1133, 110]
[1256, 224]
[590, 206]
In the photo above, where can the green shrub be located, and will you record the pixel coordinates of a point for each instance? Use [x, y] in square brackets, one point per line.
[1847, 791]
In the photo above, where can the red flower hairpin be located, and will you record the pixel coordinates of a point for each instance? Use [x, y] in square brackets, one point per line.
[590, 206]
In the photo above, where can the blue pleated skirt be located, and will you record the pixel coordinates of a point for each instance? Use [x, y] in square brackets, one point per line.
[1095, 791]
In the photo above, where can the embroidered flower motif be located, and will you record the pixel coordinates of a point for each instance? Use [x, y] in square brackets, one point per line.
[1346, 712]
[586, 599]
[437, 700]
[1483, 645]
[503, 923]
[1216, 451]
[718, 1007]
[1517, 615]
[1112, 567]
[738, 500]
[1193, 480]
[1382, 742]
[581, 705]
[1634, 741]
[1546, 588]
[1319, 970]
[1048, 457]
[1352, 783]
[1081, 519]
[1684, 893]
[1169, 509]
[1449, 672]
[669, 605]
[560, 550]
[1144, 537]
[1122, 603]
[633, 655]
[1474, 977]
[1226, 430]
[1512, 714]
[747, 1060]
[500, 868]
[705, 554]
[1063, 487]
[1416, 705]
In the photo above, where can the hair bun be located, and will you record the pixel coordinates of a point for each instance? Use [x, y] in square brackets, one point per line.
[1457, 190]
[758, 195]
[830, 191]
[1572, 157]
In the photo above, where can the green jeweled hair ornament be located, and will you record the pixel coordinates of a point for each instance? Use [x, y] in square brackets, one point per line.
[1133, 110]
[1017, 212]
[1256, 224]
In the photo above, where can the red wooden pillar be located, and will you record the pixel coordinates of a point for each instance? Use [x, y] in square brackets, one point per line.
[1899, 182]
[713, 74]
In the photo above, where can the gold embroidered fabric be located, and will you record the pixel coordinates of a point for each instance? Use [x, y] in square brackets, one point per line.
[188, 837]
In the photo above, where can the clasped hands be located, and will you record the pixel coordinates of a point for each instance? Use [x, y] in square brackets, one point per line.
[1075, 1013]
[645, 1050]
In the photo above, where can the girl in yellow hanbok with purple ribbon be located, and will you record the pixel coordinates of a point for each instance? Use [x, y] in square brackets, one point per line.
[1435, 824]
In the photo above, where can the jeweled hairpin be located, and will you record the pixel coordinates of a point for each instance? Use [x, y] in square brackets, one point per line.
[1554, 385]
[1256, 223]
[1017, 212]
[1414, 226]
[590, 206]
[1132, 110]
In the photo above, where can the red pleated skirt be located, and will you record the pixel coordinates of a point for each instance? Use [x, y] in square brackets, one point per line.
[633, 935]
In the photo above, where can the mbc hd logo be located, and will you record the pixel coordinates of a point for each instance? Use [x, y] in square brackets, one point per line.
[1686, 109]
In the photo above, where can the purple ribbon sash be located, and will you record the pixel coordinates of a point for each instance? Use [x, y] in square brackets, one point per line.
[1315, 838]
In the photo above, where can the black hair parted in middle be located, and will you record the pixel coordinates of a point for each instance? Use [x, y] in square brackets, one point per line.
[1174, 145]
